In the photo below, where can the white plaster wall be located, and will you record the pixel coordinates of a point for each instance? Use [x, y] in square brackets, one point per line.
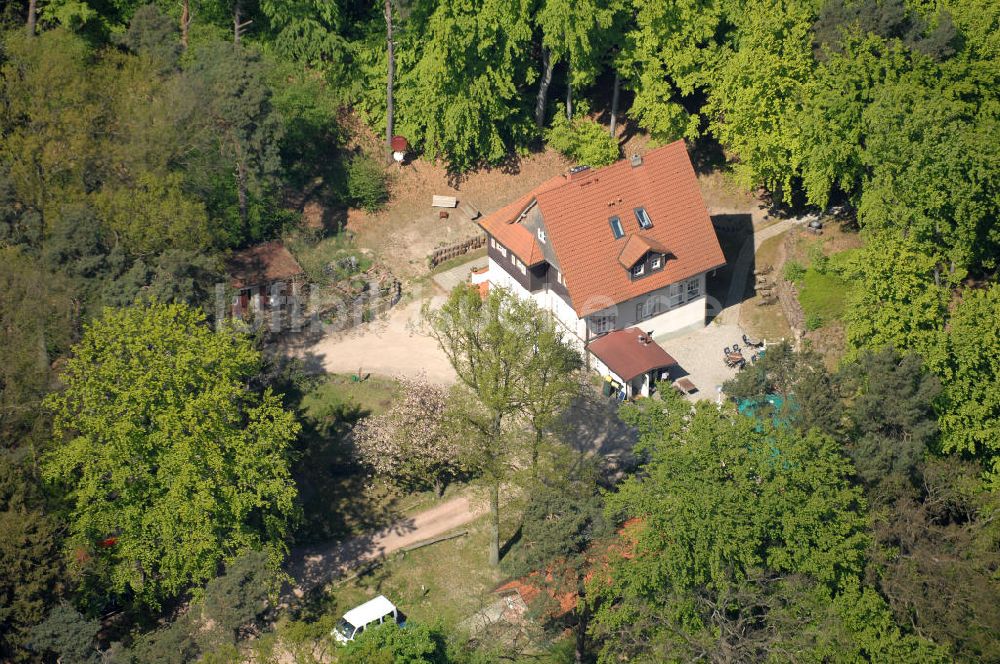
[545, 299]
[686, 316]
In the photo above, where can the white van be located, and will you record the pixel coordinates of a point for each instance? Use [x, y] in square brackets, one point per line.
[373, 612]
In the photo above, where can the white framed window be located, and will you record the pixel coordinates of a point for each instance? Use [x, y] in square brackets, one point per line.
[602, 324]
[638, 270]
[559, 278]
[522, 267]
[693, 288]
[493, 242]
[657, 262]
[502, 249]
[541, 236]
[645, 310]
[675, 295]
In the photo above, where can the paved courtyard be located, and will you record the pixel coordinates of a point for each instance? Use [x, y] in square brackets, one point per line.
[699, 354]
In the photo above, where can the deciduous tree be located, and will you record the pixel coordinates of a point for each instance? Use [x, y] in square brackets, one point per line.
[733, 521]
[463, 99]
[410, 443]
[171, 464]
[970, 413]
[498, 348]
[391, 644]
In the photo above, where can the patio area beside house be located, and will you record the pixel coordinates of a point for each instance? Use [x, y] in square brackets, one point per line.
[699, 356]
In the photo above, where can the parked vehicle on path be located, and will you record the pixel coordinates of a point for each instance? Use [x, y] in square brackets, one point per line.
[374, 612]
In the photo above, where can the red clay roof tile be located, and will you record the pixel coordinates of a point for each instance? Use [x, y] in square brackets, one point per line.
[636, 247]
[630, 352]
[576, 213]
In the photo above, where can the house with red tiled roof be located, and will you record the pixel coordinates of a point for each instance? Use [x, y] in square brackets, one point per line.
[608, 249]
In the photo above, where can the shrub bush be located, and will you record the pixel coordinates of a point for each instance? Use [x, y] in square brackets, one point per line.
[818, 260]
[367, 184]
[794, 271]
[583, 140]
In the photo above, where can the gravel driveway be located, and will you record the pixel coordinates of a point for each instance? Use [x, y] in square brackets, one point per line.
[392, 346]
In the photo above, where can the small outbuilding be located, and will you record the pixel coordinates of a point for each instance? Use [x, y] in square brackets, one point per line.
[260, 273]
[632, 361]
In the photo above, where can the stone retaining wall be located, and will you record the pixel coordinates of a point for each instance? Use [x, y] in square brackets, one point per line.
[443, 254]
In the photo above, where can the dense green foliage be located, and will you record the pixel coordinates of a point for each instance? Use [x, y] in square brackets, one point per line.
[514, 369]
[932, 525]
[391, 644]
[207, 474]
[141, 143]
[748, 543]
[30, 571]
[583, 140]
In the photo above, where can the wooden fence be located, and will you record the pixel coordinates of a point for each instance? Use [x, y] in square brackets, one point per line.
[443, 254]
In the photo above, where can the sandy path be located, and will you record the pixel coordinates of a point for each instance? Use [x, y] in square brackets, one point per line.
[390, 347]
[317, 565]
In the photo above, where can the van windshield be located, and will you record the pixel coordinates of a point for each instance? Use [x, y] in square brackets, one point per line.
[345, 628]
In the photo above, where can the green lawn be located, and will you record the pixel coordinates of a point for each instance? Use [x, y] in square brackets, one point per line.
[445, 582]
[337, 391]
[823, 297]
[338, 498]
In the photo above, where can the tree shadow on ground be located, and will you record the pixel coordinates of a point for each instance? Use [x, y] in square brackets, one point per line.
[707, 155]
[592, 426]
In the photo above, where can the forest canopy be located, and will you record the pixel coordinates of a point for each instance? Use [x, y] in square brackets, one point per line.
[146, 450]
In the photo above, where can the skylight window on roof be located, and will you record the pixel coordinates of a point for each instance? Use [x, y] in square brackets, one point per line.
[616, 227]
[643, 218]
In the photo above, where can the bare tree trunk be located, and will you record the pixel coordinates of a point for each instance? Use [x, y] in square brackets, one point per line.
[238, 24]
[569, 93]
[543, 87]
[389, 105]
[185, 22]
[614, 105]
[32, 15]
[536, 445]
[581, 627]
[495, 523]
[237, 9]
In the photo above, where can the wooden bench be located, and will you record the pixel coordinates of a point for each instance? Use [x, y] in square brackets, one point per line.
[685, 386]
[444, 201]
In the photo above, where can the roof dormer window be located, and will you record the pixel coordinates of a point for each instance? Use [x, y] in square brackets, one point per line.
[616, 227]
[643, 218]
[541, 236]
[638, 270]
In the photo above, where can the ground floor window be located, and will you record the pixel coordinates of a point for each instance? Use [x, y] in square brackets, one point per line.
[647, 309]
[675, 295]
[693, 288]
